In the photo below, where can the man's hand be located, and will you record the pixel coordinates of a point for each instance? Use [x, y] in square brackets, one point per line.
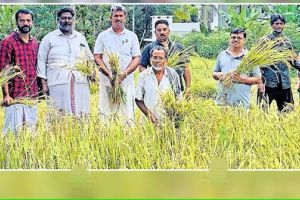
[122, 76]
[45, 88]
[236, 77]
[152, 118]
[261, 88]
[219, 76]
[7, 100]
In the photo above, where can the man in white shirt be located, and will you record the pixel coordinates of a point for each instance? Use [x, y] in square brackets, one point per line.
[58, 53]
[154, 81]
[117, 39]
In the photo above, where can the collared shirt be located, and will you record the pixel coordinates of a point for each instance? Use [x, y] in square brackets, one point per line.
[125, 44]
[58, 54]
[273, 75]
[14, 51]
[149, 91]
[172, 47]
[238, 94]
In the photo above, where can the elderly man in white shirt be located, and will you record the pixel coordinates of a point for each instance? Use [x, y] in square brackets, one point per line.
[117, 39]
[154, 81]
[58, 53]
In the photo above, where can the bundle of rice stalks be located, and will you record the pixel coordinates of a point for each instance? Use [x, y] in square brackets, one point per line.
[117, 94]
[178, 59]
[264, 53]
[176, 109]
[88, 68]
[8, 73]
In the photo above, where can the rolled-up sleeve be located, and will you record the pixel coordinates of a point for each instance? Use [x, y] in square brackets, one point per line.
[217, 67]
[98, 49]
[135, 50]
[42, 58]
[140, 89]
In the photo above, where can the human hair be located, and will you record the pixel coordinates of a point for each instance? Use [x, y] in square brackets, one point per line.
[161, 21]
[160, 48]
[117, 7]
[275, 17]
[238, 31]
[24, 11]
[65, 9]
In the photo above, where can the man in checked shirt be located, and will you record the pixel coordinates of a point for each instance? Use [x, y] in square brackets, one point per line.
[20, 48]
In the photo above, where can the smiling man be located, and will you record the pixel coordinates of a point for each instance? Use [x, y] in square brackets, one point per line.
[227, 61]
[276, 80]
[153, 82]
[118, 40]
[12, 50]
[58, 53]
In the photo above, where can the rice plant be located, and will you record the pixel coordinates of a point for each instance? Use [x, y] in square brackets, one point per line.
[116, 94]
[179, 58]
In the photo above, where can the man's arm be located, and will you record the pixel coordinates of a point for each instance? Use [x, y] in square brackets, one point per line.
[131, 68]
[236, 77]
[187, 77]
[144, 109]
[142, 67]
[102, 66]
[42, 63]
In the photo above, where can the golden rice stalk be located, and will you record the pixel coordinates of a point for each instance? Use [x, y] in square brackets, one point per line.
[117, 95]
[264, 53]
[8, 73]
[175, 109]
[178, 59]
[87, 68]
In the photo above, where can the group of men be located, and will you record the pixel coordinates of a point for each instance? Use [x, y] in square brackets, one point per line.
[54, 60]
[273, 81]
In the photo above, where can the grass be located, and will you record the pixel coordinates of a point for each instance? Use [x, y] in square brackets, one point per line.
[246, 139]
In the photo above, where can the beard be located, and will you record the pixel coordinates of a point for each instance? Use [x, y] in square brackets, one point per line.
[24, 29]
[65, 27]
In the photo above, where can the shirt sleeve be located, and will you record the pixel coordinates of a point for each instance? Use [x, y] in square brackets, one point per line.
[145, 56]
[140, 89]
[135, 50]
[217, 67]
[42, 58]
[5, 54]
[98, 49]
[88, 50]
[255, 73]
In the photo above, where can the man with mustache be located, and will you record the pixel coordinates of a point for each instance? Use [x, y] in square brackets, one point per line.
[155, 80]
[276, 81]
[162, 33]
[20, 49]
[58, 53]
[118, 40]
[227, 61]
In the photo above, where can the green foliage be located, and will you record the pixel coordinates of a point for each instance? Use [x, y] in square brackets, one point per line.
[7, 19]
[186, 13]
[290, 12]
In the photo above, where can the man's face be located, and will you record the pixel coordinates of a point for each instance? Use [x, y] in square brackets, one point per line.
[158, 60]
[24, 23]
[278, 26]
[118, 19]
[66, 21]
[162, 32]
[237, 40]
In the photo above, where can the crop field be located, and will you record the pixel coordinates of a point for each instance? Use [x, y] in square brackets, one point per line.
[249, 139]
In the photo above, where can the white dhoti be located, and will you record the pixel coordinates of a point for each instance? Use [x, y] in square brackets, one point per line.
[18, 115]
[72, 98]
[124, 111]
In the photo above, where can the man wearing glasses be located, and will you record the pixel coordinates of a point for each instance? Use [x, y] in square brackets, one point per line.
[155, 80]
[227, 61]
[58, 53]
[276, 81]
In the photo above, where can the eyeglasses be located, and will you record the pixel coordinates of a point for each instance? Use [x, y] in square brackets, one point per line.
[236, 38]
[157, 58]
[66, 18]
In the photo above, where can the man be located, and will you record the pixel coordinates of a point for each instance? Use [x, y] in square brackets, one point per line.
[58, 53]
[227, 61]
[162, 33]
[155, 80]
[276, 81]
[117, 39]
[12, 52]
